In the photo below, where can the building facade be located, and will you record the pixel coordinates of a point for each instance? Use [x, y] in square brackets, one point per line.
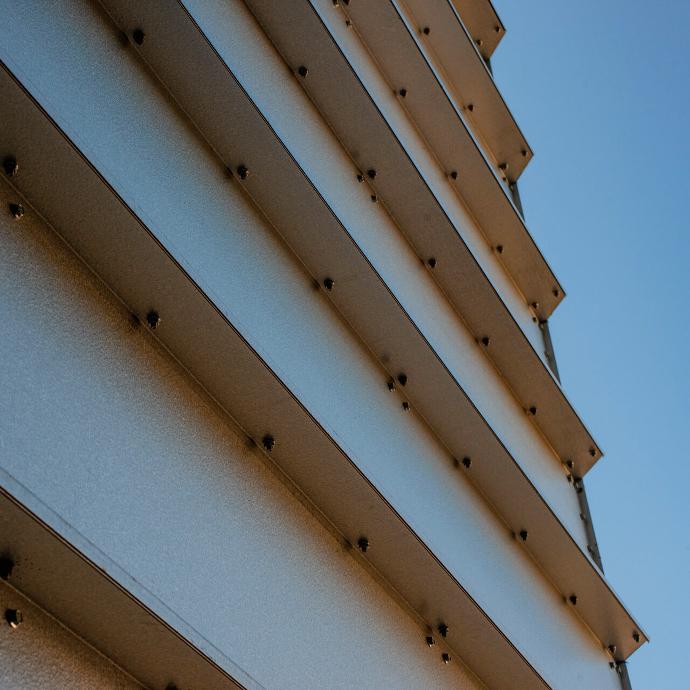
[279, 403]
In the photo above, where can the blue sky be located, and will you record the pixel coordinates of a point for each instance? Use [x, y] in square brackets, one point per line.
[601, 90]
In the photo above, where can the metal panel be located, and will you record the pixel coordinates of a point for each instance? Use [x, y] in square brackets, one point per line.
[483, 23]
[463, 73]
[69, 577]
[115, 242]
[326, 249]
[303, 39]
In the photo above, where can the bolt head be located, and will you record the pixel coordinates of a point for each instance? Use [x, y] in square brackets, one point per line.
[486, 340]
[391, 385]
[10, 166]
[14, 618]
[454, 174]
[138, 36]
[470, 107]
[445, 657]
[402, 93]
[573, 599]
[363, 544]
[268, 442]
[426, 30]
[523, 534]
[443, 630]
[402, 379]
[432, 262]
[153, 320]
[302, 71]
[371, 173]
[242, 172]
[533, 410]
[328, 283]
[16, 211]
[429, 640]
[467, 462]
[636, 636]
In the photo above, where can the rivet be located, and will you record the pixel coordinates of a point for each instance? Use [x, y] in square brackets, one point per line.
[16, 211]
[6, 567]
[268, 442]
[443, 630]
[426, 30]
[429, 640]
[14, 618]
[573, 599]
[470, 107]
[503, 166]
[371, 173]
[153, 320]
[363, 544]
[138, 36]
[612, 649]
[486, 340]
[432, 262]
[533, 410]
[406, 406]
[556, 292]
[328, 283]
[592, 452]
[402, 93]
[360, 177]
[302, 71]
[467, 462]
[445, 657]
[524, 153]
[374, 198]
[402, 379]
[348, 23]
[10, 166]
[242, 172]
[497, 29]
[636, 636]
[523, 534]
[391, 385]
[454, 174]
[499, 248]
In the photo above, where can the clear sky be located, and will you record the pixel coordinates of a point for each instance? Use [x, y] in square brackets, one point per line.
[601, 90]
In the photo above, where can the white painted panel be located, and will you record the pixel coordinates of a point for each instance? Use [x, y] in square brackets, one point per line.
[42, 654]
[244, 47]
[117, 444]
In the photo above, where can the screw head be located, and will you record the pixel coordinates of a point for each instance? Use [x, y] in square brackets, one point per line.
[6, 567]
[302, 71]
[573, 599]
[153, 320]
[454, 174]
[486, 340]
[467, 462]
[138, 36]
[402, 93]
[402, 379]
[523, 534]
[371, 173]
[503, 166]
[268, 442]
[432, 262]
[391, 385]
[328, 283]
[242, 172]
[429, 640]
[10, 166]
[363, 544]
[556, 292]
[445, 657]
[592, 452]
[442, 629]
[406, 406]
[14, 618]
[426, 30]
[533, 410]
[499, 248]
[374, 198]
[470, 107]
[16, 211]
[636, 636]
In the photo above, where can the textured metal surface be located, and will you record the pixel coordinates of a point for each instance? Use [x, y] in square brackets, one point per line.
[455, 61]
[83, 593]
[483, 23]
[124, 253]
[326, 249]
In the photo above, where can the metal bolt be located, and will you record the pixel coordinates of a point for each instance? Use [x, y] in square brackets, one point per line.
[499, 248]
[454, 174]
[573, 599]
[592, 452]
[406, 406]
[426, 30]
[16, 211]
[429, 640]
[636, 636]
[243, 172]
[10, 166]
[503, 166]
[391, 385]
[153, 320]
[432, 262]
[328, 283]
[556, 292]
[445, 657]
[486, 340]
[268, 442]
[360, 177]
[533, 410]
[14, 618]
[497, 29]
[524, 153]
[443, 630]
[523, 534]
[403, 93]
[6, 567]
[374, 198]
[371, 173]
[363, 544]
[470, 107]
[402, 379]
[467, 462]
[138, 36]
[302, 71]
